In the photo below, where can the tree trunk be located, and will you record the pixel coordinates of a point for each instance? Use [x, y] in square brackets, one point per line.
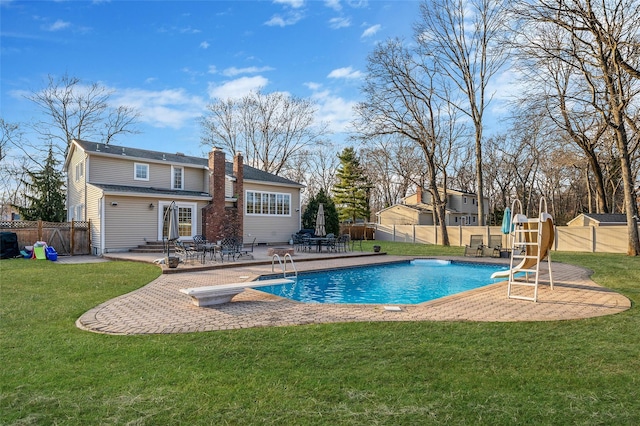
[629, 198]
[481, 212]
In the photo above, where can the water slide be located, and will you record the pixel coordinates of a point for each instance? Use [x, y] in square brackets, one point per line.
[546, 243]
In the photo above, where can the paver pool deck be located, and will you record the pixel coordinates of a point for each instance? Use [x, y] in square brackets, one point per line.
[160, 308]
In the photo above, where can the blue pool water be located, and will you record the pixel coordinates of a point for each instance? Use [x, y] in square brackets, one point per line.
[412, 282]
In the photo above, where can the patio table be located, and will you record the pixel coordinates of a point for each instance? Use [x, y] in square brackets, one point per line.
[319, 242]
[212, 249]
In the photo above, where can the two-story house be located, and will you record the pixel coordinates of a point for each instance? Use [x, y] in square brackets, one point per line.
[125, 192]
[417, 209]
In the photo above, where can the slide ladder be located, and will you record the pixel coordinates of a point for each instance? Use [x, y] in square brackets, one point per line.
[531, 242]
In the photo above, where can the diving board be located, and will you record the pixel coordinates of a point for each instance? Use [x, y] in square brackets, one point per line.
[218, 294]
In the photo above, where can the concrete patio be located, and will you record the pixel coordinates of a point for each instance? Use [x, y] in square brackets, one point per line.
[160, 307]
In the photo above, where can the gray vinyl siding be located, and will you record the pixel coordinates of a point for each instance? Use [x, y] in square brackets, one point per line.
[120, 171]
[76, 189]
[129, 222]
[272, 229]
[93, 215]
[133, 221]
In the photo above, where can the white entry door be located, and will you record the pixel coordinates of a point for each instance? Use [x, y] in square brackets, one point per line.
[187, 220]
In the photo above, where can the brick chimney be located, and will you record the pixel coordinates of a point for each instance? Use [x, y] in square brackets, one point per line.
[213, 215]
[418, 194]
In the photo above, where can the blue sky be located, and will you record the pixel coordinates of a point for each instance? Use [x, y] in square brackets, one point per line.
[168, 59]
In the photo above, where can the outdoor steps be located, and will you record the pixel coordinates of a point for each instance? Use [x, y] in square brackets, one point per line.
[150, 247]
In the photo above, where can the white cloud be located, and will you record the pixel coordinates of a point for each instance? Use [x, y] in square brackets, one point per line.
[278, 21]
[333, 4]
[233, 71]
[346, 72]
[371, 31]
[334, 110]
[236, 88]
[204, 45]
[58, 25]
[173, 108]
[212, 69]
[336, 23]
[296, 4]
[313, 86]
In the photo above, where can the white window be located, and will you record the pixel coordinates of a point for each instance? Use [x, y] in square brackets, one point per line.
[140, 171]
[464, 200]
[79, 212]
[177, 182]
[79, 170]
[268, 203]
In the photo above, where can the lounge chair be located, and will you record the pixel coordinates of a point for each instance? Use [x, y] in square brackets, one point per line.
[494, 246]
[475, 246]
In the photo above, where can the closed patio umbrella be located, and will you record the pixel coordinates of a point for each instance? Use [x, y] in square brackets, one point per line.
[172, 229]
[320, 230]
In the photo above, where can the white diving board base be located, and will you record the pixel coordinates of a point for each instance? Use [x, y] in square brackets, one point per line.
[218, 294]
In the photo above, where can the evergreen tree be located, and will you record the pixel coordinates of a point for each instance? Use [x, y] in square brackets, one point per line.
[44, 193]
[332, 222]
[353, 189]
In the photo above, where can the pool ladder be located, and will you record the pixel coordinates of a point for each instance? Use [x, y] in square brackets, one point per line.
[283, 264]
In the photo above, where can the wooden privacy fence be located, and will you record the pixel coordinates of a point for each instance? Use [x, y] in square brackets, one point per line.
[358, 232]
[594, 239]
[67, 238]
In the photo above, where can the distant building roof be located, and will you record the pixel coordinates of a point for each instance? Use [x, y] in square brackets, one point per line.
[602, 218]
[607, 217]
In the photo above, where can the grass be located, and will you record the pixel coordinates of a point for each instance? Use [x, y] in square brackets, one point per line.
[565, 372]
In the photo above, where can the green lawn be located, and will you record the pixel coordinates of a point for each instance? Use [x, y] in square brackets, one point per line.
[569, 372]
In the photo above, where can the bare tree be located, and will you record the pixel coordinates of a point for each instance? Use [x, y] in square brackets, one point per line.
[73, 110]
[12, 167]
[273, 129]
[400, 100]
[390, 163]
[555, 87]
[601, 44]
[463, 37]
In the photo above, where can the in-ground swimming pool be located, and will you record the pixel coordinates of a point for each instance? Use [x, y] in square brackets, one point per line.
[412, 282]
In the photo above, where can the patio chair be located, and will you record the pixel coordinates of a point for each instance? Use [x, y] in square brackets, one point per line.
[229, 247]
[246, 251]
[342, 243]
[330, 242]
[297, 241]
[186, 252]
[305, 242]
[475, 246]
[493, 248]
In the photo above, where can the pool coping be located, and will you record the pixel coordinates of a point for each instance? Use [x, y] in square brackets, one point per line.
[160, 308]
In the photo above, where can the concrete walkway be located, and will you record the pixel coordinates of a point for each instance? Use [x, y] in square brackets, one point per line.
[160, 308]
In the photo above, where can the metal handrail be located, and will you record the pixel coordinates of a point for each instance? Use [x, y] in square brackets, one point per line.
[283, 264]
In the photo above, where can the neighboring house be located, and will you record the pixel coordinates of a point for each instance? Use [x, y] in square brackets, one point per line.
[125, 192]
[598, 219]
[417, 209]
[8, 212]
